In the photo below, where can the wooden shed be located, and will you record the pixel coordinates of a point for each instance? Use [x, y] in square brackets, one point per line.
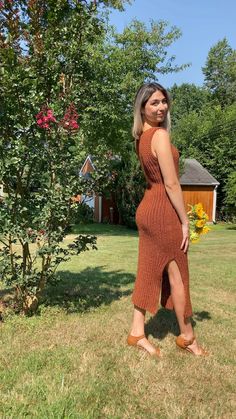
[198, 185]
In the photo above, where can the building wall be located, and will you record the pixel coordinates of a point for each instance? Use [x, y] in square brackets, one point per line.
[194, 194]
[96, 208]
[108, 215]
[105, 205]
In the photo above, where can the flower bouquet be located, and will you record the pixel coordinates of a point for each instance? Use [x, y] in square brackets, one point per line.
[197, 218]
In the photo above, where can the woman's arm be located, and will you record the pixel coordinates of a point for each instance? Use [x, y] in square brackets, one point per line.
[162, 147]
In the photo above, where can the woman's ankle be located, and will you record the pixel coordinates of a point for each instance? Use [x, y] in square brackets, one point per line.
[136, 332]
[188, 335]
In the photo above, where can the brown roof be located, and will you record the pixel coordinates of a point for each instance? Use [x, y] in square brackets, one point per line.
[196, 174]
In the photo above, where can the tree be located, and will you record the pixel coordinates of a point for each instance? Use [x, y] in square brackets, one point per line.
[220, 73]
[186, 98]
[129, 189]
[204, 119]
[230, 195]
[118, 67]
[43, 56]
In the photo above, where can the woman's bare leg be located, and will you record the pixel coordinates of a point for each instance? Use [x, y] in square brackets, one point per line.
[178, 297]
[137, 329]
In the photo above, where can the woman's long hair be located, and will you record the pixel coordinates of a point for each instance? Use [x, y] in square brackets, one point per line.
[142, 96]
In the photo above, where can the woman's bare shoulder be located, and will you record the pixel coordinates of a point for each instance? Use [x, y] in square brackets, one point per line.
[161, 137]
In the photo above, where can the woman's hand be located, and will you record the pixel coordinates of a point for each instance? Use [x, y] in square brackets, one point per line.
[185, 241]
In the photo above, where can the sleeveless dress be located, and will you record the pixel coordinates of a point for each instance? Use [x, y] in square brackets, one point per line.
[160, 235]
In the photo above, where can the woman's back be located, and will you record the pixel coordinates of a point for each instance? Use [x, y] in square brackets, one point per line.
[148, 161]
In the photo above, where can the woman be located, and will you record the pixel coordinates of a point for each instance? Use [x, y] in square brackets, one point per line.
[162, 223]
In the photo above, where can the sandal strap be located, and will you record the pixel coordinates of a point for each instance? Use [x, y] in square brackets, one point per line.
[183, 342]
[132, 340]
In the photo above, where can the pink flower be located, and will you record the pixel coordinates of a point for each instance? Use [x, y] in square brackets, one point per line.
[74, 125]
[69, 121]
[50, 116]
[44, 117]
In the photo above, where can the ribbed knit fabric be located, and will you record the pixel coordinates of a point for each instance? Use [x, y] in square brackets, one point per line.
[160, 235]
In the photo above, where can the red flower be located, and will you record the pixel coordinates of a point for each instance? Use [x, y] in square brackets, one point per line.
[44, 117]
[69, 121]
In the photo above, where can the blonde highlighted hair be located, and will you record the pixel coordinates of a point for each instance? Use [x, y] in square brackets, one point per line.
[141, 98]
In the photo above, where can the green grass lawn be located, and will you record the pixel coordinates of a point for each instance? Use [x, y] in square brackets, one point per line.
[71, 360]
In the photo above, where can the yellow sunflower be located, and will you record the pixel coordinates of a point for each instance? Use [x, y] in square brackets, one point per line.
[200, 223]
[198, 207]
[194, 237]
[205, 230]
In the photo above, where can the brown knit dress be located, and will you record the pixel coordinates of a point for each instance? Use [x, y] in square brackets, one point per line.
[160, 235]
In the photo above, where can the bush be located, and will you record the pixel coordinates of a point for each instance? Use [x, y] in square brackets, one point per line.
[129, 189]
[83, 214]
[230, 197]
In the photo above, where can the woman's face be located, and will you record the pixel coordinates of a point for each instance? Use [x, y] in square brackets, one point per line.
[156, 108]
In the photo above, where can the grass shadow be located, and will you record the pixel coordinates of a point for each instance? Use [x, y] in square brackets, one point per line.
[200, 316]
[88, 289]
[161, 324]
[165, 322]
[4, 292]
[6, 297]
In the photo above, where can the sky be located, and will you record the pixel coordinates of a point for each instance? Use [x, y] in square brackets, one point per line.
[203, 23]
